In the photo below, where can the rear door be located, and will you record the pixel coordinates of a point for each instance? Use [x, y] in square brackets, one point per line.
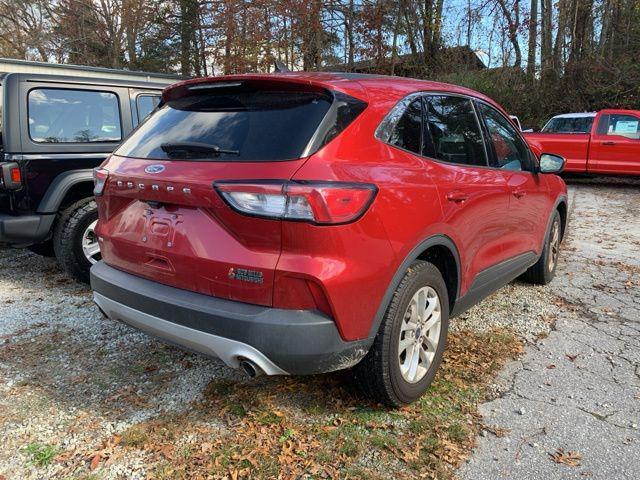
[615, 146]
[160, 216]
[474, 197]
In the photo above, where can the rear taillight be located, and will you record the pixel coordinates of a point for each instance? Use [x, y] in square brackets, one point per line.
[324, 203]
[11, 176]
[100, 176]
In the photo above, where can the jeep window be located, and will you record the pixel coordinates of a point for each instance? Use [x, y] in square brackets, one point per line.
[509, 150]
[568, 125]
[455, 131]
[255, 124]
[59, 115]
[145, 104]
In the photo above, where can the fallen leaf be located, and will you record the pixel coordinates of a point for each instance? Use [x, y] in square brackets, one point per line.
[572, 459]
[551, 366]
[95, 461]
[571, 357]
[497, 431]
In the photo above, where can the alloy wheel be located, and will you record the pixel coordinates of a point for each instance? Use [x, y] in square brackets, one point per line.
[554, 246]
[419, 334]
[90, 245]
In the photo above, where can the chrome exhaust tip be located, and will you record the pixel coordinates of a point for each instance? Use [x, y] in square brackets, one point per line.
[250, 368]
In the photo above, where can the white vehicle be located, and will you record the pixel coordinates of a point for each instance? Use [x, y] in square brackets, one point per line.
[570, 123]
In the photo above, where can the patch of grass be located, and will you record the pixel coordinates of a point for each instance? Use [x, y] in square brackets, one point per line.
[134, 436]
[218, 388]
[41, 455]
[368, 415]
[167, 471]
[186, 451]
[268, 418]
[349, 447]
[383, 439]
[238, 410]
[286, 435]
[222, 457]
[457, 432]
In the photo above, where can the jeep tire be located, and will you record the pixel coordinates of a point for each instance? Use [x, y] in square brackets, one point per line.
[68, 237]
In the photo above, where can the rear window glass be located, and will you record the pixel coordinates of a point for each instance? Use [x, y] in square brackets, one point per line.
[59, 115]
[569, 125]
[259, 125]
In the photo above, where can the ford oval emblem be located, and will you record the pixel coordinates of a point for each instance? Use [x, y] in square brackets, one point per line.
[154, 169]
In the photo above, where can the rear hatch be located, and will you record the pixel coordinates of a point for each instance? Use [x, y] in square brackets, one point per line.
[160, 216]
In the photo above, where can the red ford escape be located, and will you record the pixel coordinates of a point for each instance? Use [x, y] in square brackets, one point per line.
[302, 223]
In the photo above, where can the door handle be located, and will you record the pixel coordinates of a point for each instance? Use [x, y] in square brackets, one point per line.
[608, 142]
[519, 193]
[457, 196]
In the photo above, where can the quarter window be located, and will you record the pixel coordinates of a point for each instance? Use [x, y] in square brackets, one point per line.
[407, 133]
[455, 131]
[73, 116]
[146, 104]
[510, 151]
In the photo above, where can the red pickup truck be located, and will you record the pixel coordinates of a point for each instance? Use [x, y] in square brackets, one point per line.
[611, 147]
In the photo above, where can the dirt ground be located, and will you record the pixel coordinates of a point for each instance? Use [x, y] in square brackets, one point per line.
[85, 397]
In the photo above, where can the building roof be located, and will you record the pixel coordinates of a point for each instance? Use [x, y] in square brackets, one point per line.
[449, 59]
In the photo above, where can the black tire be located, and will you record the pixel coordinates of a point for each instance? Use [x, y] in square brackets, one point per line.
[44, 249]
[378, 374]
[67, 238]
[543, 271]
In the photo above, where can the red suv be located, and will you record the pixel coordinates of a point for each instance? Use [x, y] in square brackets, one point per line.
[308, 222]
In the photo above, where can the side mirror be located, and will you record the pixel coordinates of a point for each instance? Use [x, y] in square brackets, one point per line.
[551, 163]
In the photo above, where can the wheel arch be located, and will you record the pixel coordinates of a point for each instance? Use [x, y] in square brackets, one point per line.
[66, 189]
[560, 206]
[562, 209]
[443, 253]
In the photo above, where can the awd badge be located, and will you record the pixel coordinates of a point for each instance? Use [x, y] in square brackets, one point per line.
[244, 275]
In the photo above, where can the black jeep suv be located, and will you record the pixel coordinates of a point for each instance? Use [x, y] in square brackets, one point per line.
[53, 131]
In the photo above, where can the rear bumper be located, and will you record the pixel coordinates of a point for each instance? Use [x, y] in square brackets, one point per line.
[279, 341]
[24, 230]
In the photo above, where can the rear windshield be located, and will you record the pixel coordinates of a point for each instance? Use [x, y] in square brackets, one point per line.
[259, 125]
[569, 125]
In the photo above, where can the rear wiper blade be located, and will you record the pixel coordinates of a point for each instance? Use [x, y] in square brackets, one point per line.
[195, 150]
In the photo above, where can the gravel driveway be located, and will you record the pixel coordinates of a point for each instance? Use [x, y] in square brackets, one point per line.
[70, 381]
[571, 404]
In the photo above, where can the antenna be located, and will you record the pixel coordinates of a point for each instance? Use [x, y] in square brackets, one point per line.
[281, 67]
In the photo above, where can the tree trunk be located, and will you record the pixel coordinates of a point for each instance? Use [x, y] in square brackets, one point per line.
[546, 31]
[533, 37]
